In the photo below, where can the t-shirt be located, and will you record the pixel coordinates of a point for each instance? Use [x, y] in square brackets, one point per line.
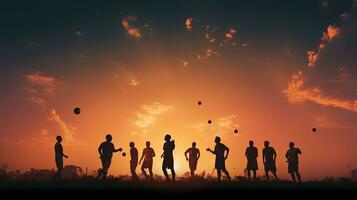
[58, 150]
[268, 153]
[168, 149]
[134, 155]
[219, 150]
[193, 153]
[252, 153]
[107, 149]
[292, 155]
[148, 154]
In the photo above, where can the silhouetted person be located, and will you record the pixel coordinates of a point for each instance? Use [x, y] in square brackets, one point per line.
[269, 157]
[106, 150]
[133, 160]
[148, 154]
[59, 157]
[292, 156]
[193, 156]
[168, 162]
[252, 165]
[219, 151]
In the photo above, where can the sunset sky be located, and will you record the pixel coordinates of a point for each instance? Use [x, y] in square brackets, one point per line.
[271, 69]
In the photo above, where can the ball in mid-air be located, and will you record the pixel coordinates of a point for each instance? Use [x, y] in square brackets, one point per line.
[236, 131]
[77, 111]
[124, 154]
[209, 121]
[199, 103]
[314, 130]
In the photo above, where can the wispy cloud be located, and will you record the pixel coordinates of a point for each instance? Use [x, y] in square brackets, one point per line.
[67, 130]
[131, 29]
[220, 125]
[331, 32]
[39, 83]
[324, 121]
[188, 23]
[148, 115]
[297, 93]
[39, 101]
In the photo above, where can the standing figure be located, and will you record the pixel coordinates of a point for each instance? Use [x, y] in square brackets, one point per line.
[193, 156]
[168, 162]
[106, 150]
[269, 157]
[219, 151]
[133, 161]
[148, 154]
[59, 157]
[252, 165]
[292, 156]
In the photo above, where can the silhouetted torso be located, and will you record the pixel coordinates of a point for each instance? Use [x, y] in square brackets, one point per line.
[134, 156]
[168, 149]
[219, 149]
[193, 154]
[148, 154]
[252, 153]
[107, 150]
[58, 151]
[269, 153]
[292, 155]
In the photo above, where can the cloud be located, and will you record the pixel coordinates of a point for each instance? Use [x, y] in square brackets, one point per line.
[331, 32]
[131, 29]
[188, 23]
[39, 83]
[149, 114]
[127, 78]
[39, 101]
[324, 121]
[67, 130]
[220, 125]
[230, 34]
[297, 93]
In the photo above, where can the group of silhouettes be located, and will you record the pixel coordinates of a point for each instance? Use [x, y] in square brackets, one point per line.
[192, 154]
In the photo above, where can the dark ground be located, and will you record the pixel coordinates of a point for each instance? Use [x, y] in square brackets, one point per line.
[179, 190]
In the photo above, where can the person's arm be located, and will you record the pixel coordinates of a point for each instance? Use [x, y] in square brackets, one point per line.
[100, 150]
[263, 156]
[64, 155]
[186, 152]
[142, 156]
[256, 152]
[246, 152]
[299, 151]
[213, 152]
[227, 149]
[153, 153]
[199, 154]
[274, 155]
[287, 156]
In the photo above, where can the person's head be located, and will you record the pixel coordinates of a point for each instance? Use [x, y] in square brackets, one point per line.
[131, 144]
[193, 144]
[291, 145]
[266, 143]
[251, 143]
[108, 138]
[59, 138]
[147, 144]
[217, 140]
[167, 137]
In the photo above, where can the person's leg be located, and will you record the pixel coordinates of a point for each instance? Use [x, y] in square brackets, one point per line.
[192, 173]
[255, 174]
[165, 173]
[173, 174]
[293, 176]
[219, 174]
[144, 172]
[275, 175]
[227, 174]
[298, 176]
[249, 174]
[151, 174]
[267, 174]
